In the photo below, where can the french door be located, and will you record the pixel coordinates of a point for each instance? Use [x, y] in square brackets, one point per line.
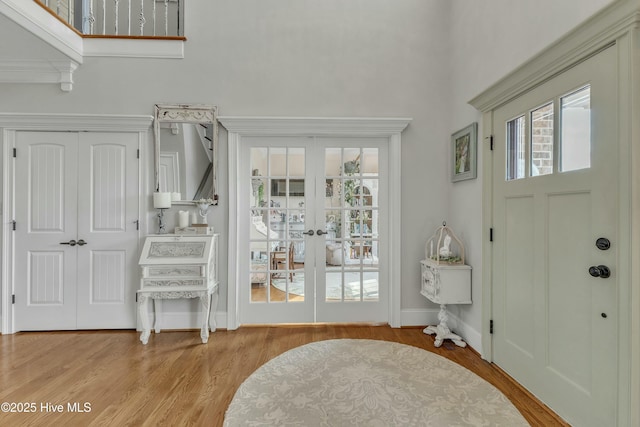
[555, 217]
[314, 246]
[76, 239]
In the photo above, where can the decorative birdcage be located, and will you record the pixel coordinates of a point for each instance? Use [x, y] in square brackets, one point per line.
[444, 247]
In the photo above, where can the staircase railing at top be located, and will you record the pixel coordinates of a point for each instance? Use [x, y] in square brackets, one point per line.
[146, 18]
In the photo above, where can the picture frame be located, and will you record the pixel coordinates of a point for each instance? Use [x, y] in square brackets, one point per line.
[464, 148]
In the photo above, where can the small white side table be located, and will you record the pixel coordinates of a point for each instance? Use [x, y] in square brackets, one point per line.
[445, 284]
[179, 266]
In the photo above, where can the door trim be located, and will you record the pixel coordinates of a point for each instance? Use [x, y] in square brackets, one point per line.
[10, 123]
[616, 26]
[390, 128]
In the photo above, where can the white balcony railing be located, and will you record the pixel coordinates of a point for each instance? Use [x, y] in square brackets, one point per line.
[147, 18]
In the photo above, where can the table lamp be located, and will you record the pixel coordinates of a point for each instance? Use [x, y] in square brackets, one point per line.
[161, 201]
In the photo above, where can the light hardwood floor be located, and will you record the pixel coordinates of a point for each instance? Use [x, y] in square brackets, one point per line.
[176, 380]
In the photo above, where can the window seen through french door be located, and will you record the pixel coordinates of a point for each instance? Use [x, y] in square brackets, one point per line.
[315, 210]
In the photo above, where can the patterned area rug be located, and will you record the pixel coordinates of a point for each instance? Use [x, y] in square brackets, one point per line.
[348, 382]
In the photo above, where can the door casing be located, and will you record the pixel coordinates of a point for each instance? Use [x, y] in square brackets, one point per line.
[614, 26]
[239, 127]
[12, 123]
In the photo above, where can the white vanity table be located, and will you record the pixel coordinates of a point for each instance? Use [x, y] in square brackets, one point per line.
[179, 266]
[446, 279]
[445, 284]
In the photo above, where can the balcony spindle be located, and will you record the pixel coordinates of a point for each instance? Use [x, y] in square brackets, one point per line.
[142, 19]
[166, 17]
[116, 4]
[104, 17]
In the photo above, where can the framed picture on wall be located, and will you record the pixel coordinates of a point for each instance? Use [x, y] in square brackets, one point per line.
[464, 144]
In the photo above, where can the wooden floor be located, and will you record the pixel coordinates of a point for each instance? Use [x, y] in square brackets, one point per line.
[176, 380]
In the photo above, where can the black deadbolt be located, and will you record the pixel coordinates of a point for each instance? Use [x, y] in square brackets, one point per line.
[603, 243]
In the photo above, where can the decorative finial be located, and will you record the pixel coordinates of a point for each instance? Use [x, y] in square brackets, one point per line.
[444, 223]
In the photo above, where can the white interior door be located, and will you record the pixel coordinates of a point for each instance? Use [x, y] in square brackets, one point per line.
[76, 201]
[107, 220]
[315, 211]
[351, 208]
[277, 194]
[46, 216]
[555, 195]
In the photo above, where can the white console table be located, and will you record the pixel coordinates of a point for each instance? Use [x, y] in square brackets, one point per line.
[179, 266]
[445, 284]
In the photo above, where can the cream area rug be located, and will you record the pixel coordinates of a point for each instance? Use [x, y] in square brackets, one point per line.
[350, 382]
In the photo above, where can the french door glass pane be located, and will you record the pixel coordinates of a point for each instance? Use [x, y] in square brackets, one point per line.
[516, 148]
[576, 130]
[277, 203]
[542, 140]
[351, 222]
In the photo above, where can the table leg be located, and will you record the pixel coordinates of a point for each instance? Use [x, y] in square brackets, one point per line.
[442, 331]
[212, 314]
[143, 313]
[157, 312]
[205, 300]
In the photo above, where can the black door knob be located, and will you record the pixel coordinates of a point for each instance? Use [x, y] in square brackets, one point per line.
[603, 243]
[308, 233]
[321, 232]
[601, 271]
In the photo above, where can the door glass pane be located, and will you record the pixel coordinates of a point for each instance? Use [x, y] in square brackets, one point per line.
[296, 161]
[515, 148]
[277, 161]
[576, 130]
[351, 222]
[277, 203]
[369, 161]
[542, 140]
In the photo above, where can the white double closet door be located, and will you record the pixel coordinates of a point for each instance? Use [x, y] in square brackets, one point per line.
[76, 238]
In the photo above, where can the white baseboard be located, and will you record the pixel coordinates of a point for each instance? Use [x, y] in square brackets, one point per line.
[419, 317]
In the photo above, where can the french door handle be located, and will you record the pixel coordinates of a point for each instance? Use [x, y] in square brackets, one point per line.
[321, 232]
[81, 242]
[308, 233]
[70, 243]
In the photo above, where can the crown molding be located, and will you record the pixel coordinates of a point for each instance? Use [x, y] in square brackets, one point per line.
[314, 126]
[76, 122]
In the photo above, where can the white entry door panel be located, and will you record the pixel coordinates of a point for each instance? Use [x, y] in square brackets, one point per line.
[555, 194]
[76, 240]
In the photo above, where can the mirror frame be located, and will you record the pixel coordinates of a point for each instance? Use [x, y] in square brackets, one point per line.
[186, 113]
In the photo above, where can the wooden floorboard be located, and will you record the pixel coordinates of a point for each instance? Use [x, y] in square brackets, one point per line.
[176, 380]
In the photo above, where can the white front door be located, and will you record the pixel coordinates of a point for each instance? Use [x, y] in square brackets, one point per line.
[314, 209]
[76, 201]
[555, 200]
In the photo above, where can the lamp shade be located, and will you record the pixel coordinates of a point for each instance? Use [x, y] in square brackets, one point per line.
[161, 200]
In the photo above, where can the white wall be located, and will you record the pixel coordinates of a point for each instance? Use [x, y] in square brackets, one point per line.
[377, 58]
[384, 58]
[489, 39]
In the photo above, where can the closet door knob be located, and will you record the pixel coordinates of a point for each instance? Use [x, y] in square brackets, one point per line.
[321, 232]
[70, 243]
[308, 233]
[81, 242]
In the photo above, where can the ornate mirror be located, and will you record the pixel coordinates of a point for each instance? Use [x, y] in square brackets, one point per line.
[186, 151]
